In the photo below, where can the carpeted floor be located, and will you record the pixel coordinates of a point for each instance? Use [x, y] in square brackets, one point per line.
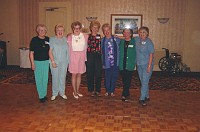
[159, 80]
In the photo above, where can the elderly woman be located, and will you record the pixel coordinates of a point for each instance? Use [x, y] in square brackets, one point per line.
[58, 54]
[39, 57]
[94, 62]
[127, 61]
[77, 42]
[110, 59]
[145, 63]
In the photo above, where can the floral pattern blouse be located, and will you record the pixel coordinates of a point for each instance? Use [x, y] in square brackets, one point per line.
[94, 44]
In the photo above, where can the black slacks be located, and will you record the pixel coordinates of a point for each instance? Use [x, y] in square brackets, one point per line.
[94, 71]
[126, 80]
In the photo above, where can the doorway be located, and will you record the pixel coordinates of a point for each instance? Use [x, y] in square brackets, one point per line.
[53, 13]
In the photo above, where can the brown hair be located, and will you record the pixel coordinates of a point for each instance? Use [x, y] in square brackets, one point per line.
[130, 30]
[94, 23]
[76, 23]
[39, 26]
[59, 26]
[146, 29]
[106, 25]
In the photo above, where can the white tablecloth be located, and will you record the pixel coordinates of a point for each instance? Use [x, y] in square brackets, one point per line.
[24, 58]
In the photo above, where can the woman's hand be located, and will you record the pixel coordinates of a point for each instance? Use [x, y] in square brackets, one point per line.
[54, 65]
[33, 67]
[148, 69]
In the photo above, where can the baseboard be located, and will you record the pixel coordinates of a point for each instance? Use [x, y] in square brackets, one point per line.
[156, 68]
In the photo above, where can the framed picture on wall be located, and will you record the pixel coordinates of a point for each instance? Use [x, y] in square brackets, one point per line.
[121, 21]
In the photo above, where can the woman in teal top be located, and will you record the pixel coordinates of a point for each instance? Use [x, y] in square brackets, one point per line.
[127, 60]
[58, 54]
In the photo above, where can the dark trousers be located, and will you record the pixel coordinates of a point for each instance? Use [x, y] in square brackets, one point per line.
[111, 76]
[94, 71]
[126, 79]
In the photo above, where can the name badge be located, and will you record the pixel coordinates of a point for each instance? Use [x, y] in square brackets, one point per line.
[46, 42]
[97, 37]
[131, 46]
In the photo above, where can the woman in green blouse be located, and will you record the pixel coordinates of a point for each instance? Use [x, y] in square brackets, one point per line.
[127, 61]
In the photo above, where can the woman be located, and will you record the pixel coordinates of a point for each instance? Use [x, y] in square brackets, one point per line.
[58, 54]
[110, 58]
[77, 43]
[127, 61]
[39, 57]
[145, 63]
[94, 64]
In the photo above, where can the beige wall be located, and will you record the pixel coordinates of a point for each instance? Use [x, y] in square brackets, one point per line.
[172, 35]
[9, 19]
[191, 51]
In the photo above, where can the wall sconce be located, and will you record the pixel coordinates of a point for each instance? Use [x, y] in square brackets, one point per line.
[163, 20]
[90, 19]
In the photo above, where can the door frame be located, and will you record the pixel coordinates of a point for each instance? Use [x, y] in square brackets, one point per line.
[67, 5]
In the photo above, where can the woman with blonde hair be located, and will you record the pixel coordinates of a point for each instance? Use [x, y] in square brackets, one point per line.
[110, 57]
[77, 42]
[94, 62]
[58, 54]
[39, 57]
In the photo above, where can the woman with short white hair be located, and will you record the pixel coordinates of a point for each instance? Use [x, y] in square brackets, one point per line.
[39, 57]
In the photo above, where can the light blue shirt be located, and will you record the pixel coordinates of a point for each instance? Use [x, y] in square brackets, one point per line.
[143, 50]
[59, 49]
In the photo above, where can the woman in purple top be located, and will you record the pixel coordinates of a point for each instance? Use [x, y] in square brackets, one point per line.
[110, 59]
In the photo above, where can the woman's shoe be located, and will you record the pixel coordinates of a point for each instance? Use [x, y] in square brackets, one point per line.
[53, 98]
[75, 96]
[106, 94]
[98, 94]
[92, 94]
[64, 97]
[79, 94]
[112, 94]
[124, 99]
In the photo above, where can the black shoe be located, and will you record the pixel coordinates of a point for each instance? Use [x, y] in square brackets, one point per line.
[92, 94]
[42, 100]
[45, 98]
[98, 94]
[124, 99]
[142, 102]
[147, 99]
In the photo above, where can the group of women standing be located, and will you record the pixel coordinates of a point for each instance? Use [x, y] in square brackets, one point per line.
[79, 53]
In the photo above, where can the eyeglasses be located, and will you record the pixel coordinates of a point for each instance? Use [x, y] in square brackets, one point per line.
[77, 28]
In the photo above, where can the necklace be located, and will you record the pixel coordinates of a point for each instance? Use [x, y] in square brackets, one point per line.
[77, 38]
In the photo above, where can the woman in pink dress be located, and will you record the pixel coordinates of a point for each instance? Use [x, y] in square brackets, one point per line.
[77, 43]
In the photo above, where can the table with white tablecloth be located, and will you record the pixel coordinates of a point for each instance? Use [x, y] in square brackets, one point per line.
[24, 58]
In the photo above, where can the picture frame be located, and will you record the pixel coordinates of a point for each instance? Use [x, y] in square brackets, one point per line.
[121, 21]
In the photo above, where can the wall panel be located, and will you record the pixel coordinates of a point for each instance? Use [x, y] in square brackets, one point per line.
[168, 35]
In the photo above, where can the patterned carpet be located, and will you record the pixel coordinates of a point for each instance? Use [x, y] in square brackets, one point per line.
[159, 80]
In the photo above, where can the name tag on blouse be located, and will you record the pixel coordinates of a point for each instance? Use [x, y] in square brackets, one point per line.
[46, 42]
[131, 46]
[97, 37]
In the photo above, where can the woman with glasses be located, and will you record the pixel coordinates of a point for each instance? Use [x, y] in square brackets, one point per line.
[77, 43]
[39, 57]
